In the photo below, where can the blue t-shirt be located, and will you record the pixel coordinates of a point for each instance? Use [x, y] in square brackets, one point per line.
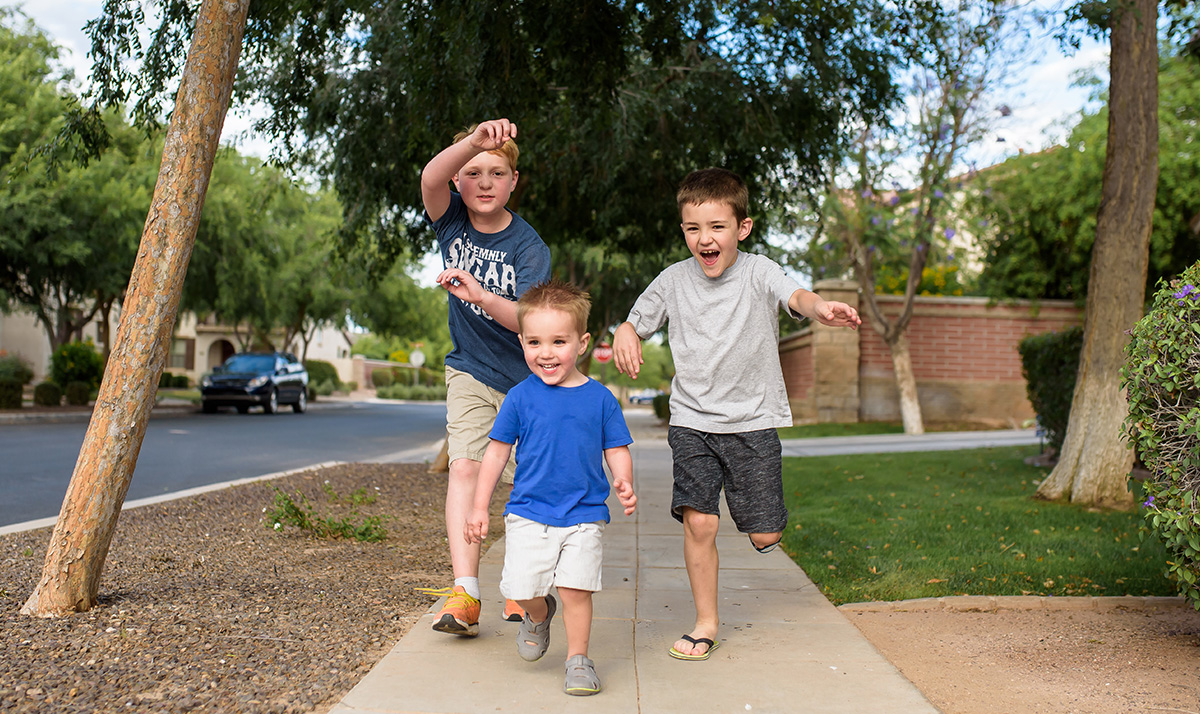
[508, 263]
[561, 434]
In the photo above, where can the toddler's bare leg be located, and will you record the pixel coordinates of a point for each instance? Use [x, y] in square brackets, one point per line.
[700, 557]
[577, 618]
[460, 495]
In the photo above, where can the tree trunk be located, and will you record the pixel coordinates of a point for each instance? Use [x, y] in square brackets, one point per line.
[1095, 463]
[79, 545]
[906, 383]
[441, 464]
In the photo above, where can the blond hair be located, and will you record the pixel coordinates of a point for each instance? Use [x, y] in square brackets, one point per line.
[715, 186]
[508, 151]
[556, 295]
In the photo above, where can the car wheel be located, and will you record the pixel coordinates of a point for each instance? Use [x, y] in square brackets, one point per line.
[208, 407]
[301, 404]
[272, 404]
[242, 409]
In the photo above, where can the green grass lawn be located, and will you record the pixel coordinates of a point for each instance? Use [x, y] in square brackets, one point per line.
[901, 526]
[811, 431]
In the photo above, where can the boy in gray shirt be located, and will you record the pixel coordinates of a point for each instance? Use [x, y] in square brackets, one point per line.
[728, 397]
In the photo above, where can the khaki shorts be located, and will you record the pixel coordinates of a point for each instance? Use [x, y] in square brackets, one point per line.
[471, 408]
[537, 556]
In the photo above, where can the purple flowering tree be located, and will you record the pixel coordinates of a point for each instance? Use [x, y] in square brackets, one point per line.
[871, 230]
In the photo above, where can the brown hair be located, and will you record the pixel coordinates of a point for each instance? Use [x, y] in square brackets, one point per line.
[715, 186]
[508, 151]
[556, 295]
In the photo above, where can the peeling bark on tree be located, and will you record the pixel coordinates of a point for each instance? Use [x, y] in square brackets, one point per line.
[70, 579]
[1094, 463]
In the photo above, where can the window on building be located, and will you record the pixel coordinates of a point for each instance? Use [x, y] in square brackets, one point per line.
[183, 354]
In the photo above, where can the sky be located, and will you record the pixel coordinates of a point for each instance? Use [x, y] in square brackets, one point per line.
[1043, 101]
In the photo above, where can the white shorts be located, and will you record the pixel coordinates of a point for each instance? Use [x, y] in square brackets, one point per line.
[537, 556]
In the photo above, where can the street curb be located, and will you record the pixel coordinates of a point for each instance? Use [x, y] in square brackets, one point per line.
[174, 496]
[997, 603]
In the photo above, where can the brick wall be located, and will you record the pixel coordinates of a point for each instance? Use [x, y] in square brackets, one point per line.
[964, 354]
[796, 357]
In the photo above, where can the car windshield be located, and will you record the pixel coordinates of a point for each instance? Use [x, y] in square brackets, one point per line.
[256, 364]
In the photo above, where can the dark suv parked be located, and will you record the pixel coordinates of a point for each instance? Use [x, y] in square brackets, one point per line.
[265, 379]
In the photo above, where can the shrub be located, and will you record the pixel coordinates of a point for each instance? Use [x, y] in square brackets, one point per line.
[13, 367]
[10, 393]
[77, 362]
[325, 388]
[313, 392]
[47, 394]
[321, 371]
[662, 406]
[180, 381]
[78, 394]
[381, 378]
[1162, 378]
[165, 380]
[1049, 363]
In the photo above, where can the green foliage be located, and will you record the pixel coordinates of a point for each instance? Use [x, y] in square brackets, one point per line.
[165, 380]
[321, 371]
[304, 515]
[1040, 209]
[10, 393]
[47, 394]
[77, 362]
[381, 378]
[436, 392]
[1162, 379]
[1050, 363]
[70, 235]
[662, 406]
[911, 525]
[14, 367]
[323, 389]
[78, 394]
[179, 381]
[657, 369]
[813, 431]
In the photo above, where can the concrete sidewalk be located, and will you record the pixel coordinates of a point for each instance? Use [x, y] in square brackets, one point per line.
[785, 648]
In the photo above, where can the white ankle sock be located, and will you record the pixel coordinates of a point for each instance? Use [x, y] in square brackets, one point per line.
[471, 585]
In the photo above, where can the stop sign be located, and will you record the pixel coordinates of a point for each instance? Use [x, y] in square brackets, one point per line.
[602, 353]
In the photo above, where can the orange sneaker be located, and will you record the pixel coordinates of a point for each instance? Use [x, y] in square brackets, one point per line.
[460, 614]
[513, 612]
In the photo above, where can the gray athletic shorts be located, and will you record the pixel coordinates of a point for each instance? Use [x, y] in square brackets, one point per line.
[748, 465]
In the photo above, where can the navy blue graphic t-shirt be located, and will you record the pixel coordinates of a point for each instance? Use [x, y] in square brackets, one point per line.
[507, 263]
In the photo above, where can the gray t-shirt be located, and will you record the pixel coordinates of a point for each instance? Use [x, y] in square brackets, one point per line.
[724, 337]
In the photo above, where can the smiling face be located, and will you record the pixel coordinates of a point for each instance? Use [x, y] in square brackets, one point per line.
[713, 232]
[552, 343]
[485, 183]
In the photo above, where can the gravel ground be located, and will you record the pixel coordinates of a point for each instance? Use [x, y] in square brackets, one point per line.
[203, 608]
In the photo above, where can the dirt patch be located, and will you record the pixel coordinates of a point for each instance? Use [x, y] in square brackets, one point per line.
[1072, 660]
[203, 608]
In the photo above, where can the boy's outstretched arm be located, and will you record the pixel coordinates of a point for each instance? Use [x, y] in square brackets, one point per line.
[435, 177]
[494, 459]
[627, 350]
[826, 312]
[620, 463]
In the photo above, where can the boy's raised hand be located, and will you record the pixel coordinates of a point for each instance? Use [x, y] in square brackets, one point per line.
[491, 135]
[836, 314]
[627, 350]
[476, 528]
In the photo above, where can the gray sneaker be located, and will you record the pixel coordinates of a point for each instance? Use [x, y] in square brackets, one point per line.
[533, 638]
[581, 678]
